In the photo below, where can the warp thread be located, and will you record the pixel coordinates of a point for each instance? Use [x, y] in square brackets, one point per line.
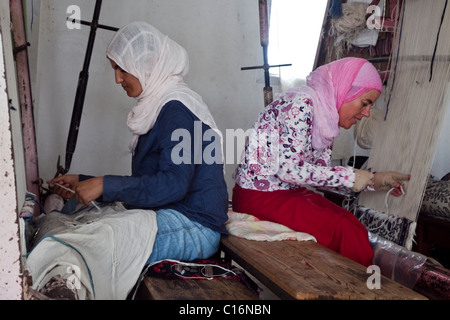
[396, 63]
[402, 137]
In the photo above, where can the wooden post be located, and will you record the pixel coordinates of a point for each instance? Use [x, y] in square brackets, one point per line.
[25, 98]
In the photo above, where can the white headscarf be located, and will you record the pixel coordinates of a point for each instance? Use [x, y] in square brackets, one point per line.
[160, 65]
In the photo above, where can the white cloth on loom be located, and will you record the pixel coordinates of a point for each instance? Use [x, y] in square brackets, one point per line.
[249, 227]
[106, 251]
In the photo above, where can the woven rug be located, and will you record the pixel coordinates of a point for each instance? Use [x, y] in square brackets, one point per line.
[399, 230]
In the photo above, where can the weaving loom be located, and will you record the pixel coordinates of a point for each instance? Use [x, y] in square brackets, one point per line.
[415, 103]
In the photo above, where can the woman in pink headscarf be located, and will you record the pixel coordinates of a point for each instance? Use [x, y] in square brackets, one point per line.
[290, 146]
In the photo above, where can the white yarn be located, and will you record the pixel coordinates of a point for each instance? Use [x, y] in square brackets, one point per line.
[386, 221]
[349, 25]
[405, 142]
[353, 17]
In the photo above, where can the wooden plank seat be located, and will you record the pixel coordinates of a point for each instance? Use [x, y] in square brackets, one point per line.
[203, 279]
[154, 288]
[308, 270]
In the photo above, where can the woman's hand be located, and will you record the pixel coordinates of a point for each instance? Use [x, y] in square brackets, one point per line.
[89, 190]
[388, 180]
[380, 181]
[65, 185]
[85, 191]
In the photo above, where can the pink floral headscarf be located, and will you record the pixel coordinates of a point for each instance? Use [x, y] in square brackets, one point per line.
[334, 84]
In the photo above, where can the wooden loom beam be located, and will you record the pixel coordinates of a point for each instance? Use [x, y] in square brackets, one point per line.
[25, 98]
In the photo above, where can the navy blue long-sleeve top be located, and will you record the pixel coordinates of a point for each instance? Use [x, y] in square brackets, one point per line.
[194, 187]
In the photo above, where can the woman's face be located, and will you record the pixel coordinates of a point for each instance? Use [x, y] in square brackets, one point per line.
[129, 83]
[356, 109]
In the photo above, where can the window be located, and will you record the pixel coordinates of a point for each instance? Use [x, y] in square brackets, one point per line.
[295, 28]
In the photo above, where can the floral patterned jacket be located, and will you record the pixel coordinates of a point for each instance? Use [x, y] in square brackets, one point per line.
[278, 153]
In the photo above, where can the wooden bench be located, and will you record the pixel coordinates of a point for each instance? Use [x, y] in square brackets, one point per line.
[308, 270]
[168, 289]
[160, 288]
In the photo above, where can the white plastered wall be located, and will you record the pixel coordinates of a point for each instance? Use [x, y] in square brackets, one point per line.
[12, 183]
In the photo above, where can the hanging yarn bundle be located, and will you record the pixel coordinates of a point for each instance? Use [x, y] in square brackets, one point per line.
[347, 27]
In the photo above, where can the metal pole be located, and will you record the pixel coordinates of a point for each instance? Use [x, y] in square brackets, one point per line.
[264, 27]
[264, 39]
[81, 91]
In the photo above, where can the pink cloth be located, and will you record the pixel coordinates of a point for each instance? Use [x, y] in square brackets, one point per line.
[336, 83]
[367, 78]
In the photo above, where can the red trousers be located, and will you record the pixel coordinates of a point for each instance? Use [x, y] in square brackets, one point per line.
[306, 211]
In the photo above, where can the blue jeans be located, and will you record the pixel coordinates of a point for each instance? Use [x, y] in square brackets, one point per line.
[179, 238]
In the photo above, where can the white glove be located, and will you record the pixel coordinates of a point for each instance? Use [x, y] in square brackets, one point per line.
[379, 180]
[389, 179]
[363, 178]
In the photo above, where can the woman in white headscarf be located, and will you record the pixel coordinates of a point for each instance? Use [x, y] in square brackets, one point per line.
[188, 194]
